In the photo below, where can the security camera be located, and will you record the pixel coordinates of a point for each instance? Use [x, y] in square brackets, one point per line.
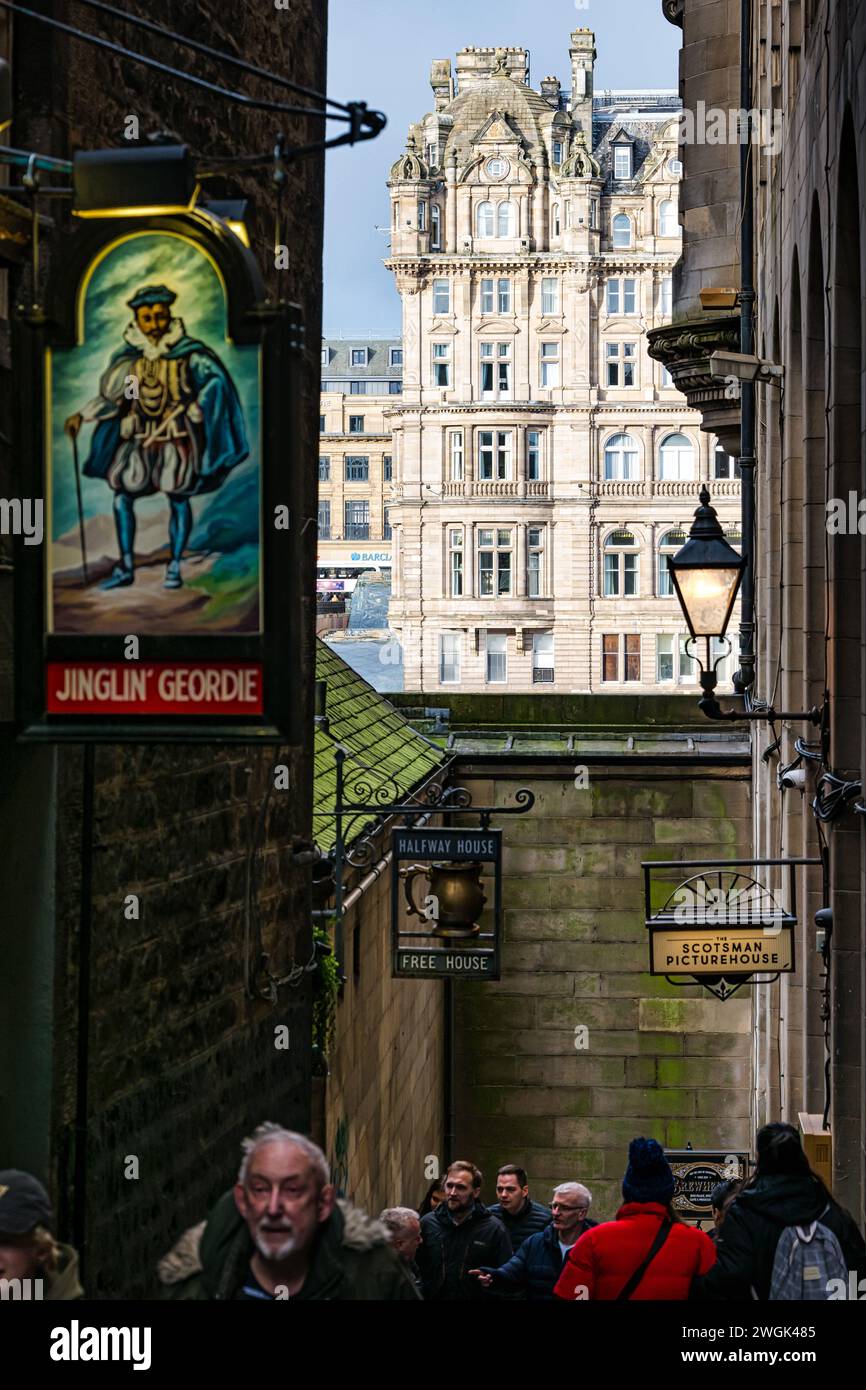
[793, 778]
[823, 930]
[724, 365]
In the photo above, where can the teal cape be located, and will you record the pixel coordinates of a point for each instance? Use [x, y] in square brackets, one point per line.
[224, 430]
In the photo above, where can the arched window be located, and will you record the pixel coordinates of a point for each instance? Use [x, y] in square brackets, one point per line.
[620, 457]
[669, 544]
[555, 227]
[506, 223]
[676, 457]
[621, 230]
[668, 225]
[484, 225]
[621, 565]
[435, 227]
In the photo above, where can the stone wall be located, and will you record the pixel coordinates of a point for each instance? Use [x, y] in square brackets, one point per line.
[661, 1060]
[709, 192]
[810, 62]
[384, 1095]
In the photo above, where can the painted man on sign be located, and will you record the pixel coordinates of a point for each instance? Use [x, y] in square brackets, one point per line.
[168, 419]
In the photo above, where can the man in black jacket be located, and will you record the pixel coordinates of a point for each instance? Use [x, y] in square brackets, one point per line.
[520, 1216]
[458, 1236]
[783, 1192]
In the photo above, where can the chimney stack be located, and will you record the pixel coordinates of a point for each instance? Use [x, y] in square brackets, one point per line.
[550, 89]
[582, 53]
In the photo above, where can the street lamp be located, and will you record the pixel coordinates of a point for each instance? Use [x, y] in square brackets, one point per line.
[706, 574]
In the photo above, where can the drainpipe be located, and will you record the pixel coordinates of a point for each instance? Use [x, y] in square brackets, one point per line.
[79, 1199]
[745, 677]
[448, 1074]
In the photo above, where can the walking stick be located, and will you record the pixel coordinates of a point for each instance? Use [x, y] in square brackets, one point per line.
[80, 509]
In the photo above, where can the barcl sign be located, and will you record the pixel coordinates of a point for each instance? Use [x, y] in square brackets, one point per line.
[160, 426]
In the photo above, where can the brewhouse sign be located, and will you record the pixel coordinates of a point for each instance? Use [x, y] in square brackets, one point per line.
[159, 426]
[722, 925]
[440, 890]
[697, 1173]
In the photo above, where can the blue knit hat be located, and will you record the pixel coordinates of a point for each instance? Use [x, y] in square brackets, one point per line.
[648, 1177]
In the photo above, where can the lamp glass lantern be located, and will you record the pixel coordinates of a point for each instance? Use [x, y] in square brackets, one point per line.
[706, 574]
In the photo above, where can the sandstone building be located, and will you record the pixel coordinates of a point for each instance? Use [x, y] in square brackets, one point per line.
[360, 379]
[807, 74]
[544, 464]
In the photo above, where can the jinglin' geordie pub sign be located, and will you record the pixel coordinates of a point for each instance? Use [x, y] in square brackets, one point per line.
[157, 419]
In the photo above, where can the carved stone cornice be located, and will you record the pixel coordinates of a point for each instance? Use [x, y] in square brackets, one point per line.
[685, 349]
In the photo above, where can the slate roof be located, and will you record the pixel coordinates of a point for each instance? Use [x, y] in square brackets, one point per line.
[378, 367]
[369, 727]
[644, 132]
[528, 111]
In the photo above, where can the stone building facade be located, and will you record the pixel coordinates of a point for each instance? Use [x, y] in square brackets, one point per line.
[360, 380]
[808, 71]
[154, 1038]
[543, 461]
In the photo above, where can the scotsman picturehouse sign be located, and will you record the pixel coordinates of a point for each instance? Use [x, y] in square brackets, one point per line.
[158, 421]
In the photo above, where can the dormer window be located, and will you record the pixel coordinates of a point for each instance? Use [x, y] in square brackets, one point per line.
[326, 356]
[622, 166]
[557, 151]
[360, 357]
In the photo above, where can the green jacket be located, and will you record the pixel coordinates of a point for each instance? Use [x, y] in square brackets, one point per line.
[351, 1259]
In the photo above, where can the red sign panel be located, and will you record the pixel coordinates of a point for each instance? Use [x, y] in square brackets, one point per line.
[158, 687]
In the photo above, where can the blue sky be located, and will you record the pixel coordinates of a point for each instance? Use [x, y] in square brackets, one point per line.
[380, 52]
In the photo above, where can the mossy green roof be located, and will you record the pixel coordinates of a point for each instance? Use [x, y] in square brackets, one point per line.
[382, 743]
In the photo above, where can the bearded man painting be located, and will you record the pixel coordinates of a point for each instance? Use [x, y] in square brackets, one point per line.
[167, 419]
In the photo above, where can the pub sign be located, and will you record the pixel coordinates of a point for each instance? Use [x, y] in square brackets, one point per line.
[720, 923]
[441, 887]
[696, 1173]
[158, 421]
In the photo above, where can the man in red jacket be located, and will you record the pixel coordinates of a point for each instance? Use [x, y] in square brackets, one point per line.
[647, 1252]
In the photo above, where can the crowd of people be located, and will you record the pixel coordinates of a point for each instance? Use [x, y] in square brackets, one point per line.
[281, 1232]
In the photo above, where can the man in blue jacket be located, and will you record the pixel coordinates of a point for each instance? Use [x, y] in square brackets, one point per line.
[520, 1216]
[537, 1265]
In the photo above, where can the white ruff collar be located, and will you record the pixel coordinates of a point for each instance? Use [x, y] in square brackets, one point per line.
[151, 351]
